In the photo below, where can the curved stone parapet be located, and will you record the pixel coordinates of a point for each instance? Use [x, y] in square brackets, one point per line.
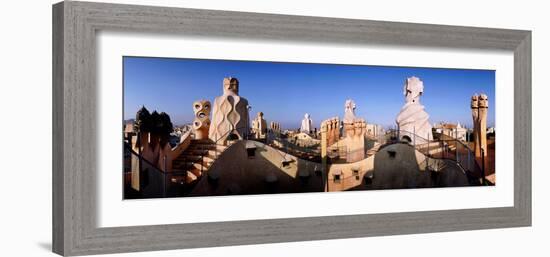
[402, 166]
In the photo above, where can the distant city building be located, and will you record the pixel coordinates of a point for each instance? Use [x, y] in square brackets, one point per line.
[306, 124]
[451, 130]
[374, 130]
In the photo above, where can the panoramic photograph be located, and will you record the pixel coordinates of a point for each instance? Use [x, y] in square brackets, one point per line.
[201, 127]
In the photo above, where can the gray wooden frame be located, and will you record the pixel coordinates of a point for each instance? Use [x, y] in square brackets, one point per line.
[74, 129]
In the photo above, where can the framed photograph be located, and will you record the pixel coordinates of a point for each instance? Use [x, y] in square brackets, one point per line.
[183, 128]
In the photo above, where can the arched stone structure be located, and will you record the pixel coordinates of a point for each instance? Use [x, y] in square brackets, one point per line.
[259, 126]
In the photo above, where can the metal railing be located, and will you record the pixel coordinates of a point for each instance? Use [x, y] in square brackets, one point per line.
[245, 136]
[152, 181]
[155, 182]
[444, 147]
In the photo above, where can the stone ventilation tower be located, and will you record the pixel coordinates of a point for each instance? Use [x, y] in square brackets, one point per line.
[479, 105]
[201, 124]
[333, 130]
[259, 126]
[229, 114]
[475, 117]
[275, 127]
[325, 126]
[306, 124]
[413, 119]
[354, 131]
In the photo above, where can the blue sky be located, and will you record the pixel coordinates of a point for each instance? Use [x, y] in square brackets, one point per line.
[285, 91]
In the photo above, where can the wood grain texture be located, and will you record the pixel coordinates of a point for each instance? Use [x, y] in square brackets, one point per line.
[74, 126]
